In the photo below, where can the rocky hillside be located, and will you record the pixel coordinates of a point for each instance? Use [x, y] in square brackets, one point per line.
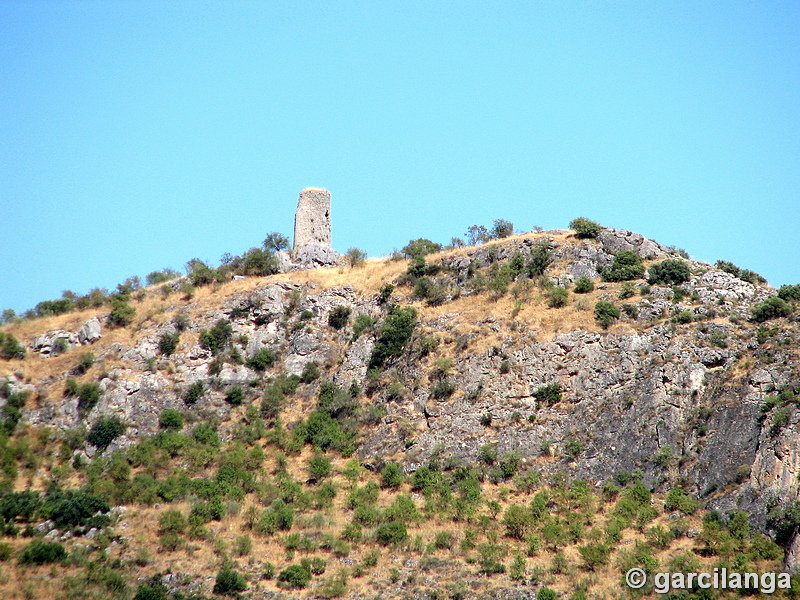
[596, 359]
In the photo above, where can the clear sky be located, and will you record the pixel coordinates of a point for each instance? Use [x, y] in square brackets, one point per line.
[137, 135]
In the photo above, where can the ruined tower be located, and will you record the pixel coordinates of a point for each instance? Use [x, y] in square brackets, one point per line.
[312, 221]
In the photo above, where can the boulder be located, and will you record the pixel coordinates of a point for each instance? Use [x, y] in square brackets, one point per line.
[91, 331]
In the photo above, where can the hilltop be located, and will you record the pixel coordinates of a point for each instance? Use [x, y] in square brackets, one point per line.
[490, 417]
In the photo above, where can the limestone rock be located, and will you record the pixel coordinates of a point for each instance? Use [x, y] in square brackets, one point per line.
[91, 331]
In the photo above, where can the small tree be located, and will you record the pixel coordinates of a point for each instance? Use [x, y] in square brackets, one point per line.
[584, 285]
[605, 312]
[229, 582]
[771, 308]
[502, 229]
[10, 348]
[121, 314]
[104, 431]
[339, 317]
[275, 241]
[585, 228]
[670, 271]
[170, 420]
[355, 257]
[295, 576]
[168, 342]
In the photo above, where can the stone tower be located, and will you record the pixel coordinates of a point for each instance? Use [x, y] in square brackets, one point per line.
[312, 221]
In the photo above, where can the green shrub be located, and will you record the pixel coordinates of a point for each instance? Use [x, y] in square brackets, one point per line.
[170, 419]
[392, 533]
[172, 521]
[395, 334]
[229, 582]
[789, 293]
[442, 389]
[670, 271]
[517, 520]
[548, 394]
[584, 285]
[584, 228]
[235, 396]
[88, 395]
[295, 577]
[540, 259]
[626, 266]
[385, 293]
[557, 297]
[392, 476]
[771, 308]
[216, 339]
[168, 342]
[684, 317]
[272, 402]
[594, 555]
[104, 431]
[605, 312]
[310, 372]
[73, 508]
[339, 316]
[193, 393]
[121, 314]
[262, 360]
[10, 348]
[319, 466]
[84, 364]
[41, 553]
[502, 229]
[419, 248]
[573, 448]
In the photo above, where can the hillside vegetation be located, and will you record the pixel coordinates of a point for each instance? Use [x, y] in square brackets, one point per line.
[529, 416]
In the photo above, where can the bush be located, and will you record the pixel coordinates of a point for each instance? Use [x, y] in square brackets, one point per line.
[789, 293]
[193, 393]
[121, 314]
[262, 360]
[585, 228]
[338, 317]
[420, 247]
[626, 266]
[10, 348]
[88, 395]
[216, 338]
[395, 334]
[548, 394]
[229, 582]
[391, 533]
[557, 297]
[170, 420]
[355, 257]
[584, 285]
[104, 431]
[594, 555]
[771, 308]
[319, 466]
[84, 364]
[168, 342]
[502, 229]
[385, 293]
[605, 312]
[540, 258]
[235, 396]
[310, 372]
[41, 553]
[391, 476]
[677, 499]
[295, 577]
[670, 272]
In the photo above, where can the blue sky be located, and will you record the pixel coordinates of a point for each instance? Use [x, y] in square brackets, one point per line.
[137, 135]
